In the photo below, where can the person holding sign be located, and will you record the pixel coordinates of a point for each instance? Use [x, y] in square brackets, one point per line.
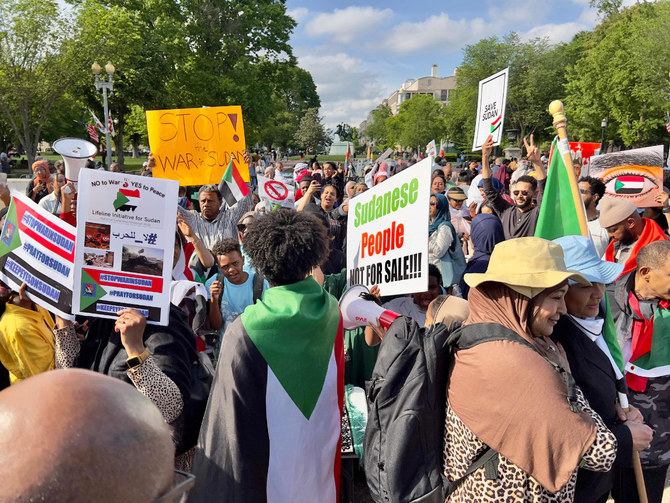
[518, 220]
[26, 342]
[217, 218]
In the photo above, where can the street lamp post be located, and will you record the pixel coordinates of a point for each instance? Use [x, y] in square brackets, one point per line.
[603, 126]
[105, 85]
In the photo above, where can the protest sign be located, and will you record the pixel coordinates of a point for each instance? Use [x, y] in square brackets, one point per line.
[581, 153]
[276, 192]
[195, 145]
[431, 149]
[635, 175]
[387, 233]
[385, 155]
[491, 109]
[37, 248]
[125, 245]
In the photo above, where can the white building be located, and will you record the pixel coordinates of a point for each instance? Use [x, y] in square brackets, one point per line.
[439, 88]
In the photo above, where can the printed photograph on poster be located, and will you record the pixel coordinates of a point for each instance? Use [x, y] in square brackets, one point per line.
[97, 236]
[491, 109]
[37, 248]
[387, 233]
[581, 153]
[128, 230]
[142, 260]
[635, 175]
[98, 258]
[196, 145]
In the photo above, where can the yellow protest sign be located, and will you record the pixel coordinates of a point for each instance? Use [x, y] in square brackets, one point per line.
[195, 145]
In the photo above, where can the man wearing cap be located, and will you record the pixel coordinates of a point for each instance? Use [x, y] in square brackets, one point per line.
[518, 220]
[643, 327]
[592, 191]
[628, 230]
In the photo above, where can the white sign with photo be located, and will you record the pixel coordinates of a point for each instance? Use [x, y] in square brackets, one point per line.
[125, 245]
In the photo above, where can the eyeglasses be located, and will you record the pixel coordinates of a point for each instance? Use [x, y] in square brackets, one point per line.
[182, 483]
[241, 227]
[433, 203]
[585, 191]
[522, 192]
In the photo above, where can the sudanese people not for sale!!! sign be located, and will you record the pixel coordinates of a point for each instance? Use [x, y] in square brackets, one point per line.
[387, 233]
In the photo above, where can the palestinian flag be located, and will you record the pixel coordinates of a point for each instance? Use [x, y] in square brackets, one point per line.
[562, 212]
[272, 427]
[232, 186]
[629, 184]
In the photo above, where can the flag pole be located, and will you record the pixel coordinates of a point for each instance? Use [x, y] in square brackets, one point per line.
[560, 123]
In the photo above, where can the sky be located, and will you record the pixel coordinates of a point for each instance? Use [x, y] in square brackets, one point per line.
[360, 53]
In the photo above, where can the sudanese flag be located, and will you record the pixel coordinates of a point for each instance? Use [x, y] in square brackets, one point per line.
[272, 428]
[232, 186]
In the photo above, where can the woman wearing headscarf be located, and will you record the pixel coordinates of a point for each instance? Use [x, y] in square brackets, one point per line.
[511, 402]
[442, 237]
[485, 232]
[581, 332]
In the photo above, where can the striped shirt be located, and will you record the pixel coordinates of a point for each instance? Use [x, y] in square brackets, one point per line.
[222, 226]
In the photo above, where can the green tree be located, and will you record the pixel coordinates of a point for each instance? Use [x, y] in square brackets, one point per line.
[419, 120]
[293, 93]
[144, 45]
[36, 66]
[311, 134]
[376, 130]
[623, 76]
[536, 77]
[229, 44]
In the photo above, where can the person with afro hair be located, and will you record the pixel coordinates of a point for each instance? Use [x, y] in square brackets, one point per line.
[274, 408]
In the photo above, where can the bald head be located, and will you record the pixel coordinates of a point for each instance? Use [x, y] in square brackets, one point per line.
[75, 435]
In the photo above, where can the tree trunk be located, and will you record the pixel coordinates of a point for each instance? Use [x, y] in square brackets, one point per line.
[136, 146]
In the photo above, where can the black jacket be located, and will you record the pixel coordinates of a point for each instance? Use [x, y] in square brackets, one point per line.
[594, 375]
[172, 347]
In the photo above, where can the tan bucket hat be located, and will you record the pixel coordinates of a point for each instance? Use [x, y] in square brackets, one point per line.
[526, 265]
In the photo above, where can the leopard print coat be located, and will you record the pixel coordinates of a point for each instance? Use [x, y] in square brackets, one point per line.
[513, 485]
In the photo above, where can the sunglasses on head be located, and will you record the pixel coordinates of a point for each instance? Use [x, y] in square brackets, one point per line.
[522, 192]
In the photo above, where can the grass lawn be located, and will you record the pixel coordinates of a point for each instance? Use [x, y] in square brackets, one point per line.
[129, 163]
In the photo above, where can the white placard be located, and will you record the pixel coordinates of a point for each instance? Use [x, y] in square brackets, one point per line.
[387, 233]
[276, 192]
[125, 245]
[491, 109]
[37, 248]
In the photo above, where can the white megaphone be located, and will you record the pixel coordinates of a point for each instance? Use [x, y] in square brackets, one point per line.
[358, 312]
[75, 153]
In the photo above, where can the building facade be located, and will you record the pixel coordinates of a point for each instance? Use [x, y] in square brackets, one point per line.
[439, 88]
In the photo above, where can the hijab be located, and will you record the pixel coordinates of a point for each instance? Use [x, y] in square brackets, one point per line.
[486, 232]
[442, 216]
[520, 408]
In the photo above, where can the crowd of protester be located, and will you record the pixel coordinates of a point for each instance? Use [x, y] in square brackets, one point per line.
[254, 306]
